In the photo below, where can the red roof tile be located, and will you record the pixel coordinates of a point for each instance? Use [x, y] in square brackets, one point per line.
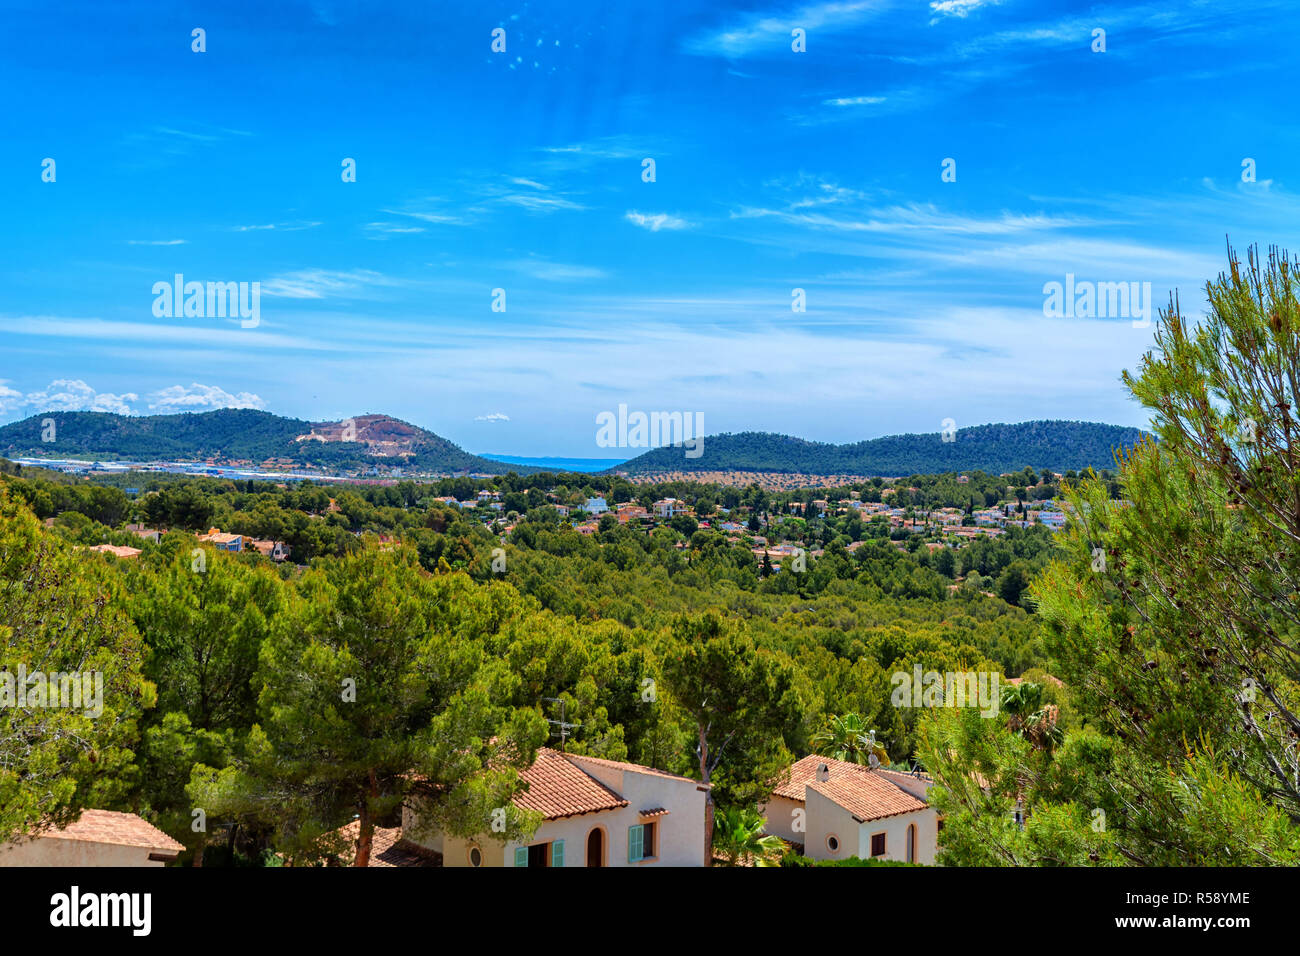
[558, 788]
[119, 829]
[388, 848]
[865, 793]
[633, 767]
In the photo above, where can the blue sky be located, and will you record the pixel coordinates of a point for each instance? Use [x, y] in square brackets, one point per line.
[522, 170]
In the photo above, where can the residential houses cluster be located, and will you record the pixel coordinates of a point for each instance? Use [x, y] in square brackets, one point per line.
[593, 812]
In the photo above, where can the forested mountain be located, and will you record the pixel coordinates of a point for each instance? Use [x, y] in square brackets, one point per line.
[232, 434]
[1058, 445]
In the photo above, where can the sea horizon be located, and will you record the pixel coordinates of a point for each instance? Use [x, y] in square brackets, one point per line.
[558, 463]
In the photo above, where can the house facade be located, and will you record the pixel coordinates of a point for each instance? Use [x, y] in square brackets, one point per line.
[97, 838]
[670, 507]
[595, 812]
[837, 809]
[226, 542]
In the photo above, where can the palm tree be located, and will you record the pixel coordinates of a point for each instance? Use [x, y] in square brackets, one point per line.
[1030, 716]
[738, 837]
[848, 738]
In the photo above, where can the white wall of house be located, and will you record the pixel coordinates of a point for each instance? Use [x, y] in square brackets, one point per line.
[895, 830]
[826, 818]
[44, 851]
[679, 836]
[780, 814]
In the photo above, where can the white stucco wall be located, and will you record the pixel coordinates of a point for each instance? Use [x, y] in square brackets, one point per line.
[679, 838]
[779, 812]
[895, 830]
[45, 851]
[826, 817]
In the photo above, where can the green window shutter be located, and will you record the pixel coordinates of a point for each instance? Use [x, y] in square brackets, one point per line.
[635, 844]
[557, 853]
[521, 856]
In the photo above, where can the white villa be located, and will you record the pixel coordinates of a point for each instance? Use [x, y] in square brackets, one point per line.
[595, 812]
[838, 810]
[97, 838]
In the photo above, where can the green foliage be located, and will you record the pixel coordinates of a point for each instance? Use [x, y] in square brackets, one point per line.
[1171, 617]
[738, 838]
[59, 616]
[994, 448]
[229, 433]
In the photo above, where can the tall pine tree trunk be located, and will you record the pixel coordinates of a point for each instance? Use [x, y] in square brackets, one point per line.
[367, 825]
[708, 799]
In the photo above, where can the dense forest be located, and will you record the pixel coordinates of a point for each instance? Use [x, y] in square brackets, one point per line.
[1156, 635]
[1058, 445]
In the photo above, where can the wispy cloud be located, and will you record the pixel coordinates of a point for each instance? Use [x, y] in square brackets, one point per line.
[769, 33]
[554, 271]
[915, 218]
[655, 221]
[535, 203]
[854, 101]
[492, 417]
[155, 242]
[324, 283]
[383, 230]
[958, 8]
[278, 226]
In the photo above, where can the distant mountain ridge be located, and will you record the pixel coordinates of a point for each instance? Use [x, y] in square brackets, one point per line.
[358, 444]
[245, 435]
[1057, 445]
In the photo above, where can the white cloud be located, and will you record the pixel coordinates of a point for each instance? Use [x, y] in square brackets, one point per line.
[916, 217]
[854, 101]
[10, 399]
[424, 215]
[656, 221]
[492, 417]
[958, 8]
[554, 271]
[770, 32]
[179, 398]
[382, 230]
[74, 395]
[283, 226]
[536, 203]
[155, 242]
[320, 283]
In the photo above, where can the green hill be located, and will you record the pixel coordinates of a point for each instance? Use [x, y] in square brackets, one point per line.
[1058, 445]
[232, 434]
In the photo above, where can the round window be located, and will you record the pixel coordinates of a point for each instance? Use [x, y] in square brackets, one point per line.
[833, 843]
[475, 856]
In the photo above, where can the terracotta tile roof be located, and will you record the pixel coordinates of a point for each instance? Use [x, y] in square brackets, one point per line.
[119, 829]
[655, 812]
[117, 550]
[558, 788]
[634, 767]
[865, 793]
[388, 848]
